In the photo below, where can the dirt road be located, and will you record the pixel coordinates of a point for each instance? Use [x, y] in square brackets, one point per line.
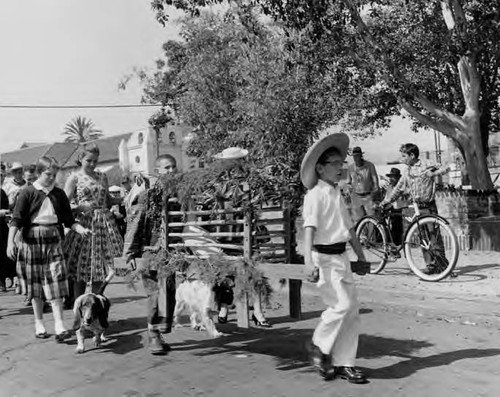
[418, 339]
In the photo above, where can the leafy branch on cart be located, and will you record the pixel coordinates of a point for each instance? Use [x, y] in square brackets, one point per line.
[212, 271]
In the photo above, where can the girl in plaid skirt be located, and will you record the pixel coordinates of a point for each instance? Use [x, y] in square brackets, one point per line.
[39, 215]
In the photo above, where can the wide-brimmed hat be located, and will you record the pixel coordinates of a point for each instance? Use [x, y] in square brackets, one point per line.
[308, 168]
[356, 150]
[16, 165]
[394, 172]
[232, 153]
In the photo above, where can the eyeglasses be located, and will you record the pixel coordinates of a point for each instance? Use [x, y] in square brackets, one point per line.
[336, 163]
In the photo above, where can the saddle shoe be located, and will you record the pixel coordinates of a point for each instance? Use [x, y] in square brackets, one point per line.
[351, 374]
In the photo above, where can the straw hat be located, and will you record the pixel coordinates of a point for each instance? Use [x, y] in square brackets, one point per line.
[232, 153]
[16, 165]
[308, 167]
[114, 189]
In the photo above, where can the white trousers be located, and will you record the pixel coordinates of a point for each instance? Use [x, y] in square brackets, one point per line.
[338, 330]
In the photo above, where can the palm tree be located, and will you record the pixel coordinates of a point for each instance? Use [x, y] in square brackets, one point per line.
[81, 129]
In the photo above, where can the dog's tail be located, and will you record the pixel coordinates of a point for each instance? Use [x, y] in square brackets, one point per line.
[109, 277]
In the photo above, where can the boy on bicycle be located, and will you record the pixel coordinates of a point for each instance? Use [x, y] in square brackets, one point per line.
[418, 181]
[327, 229]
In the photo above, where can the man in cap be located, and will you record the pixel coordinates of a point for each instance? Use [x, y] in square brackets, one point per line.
[15, 183]
[362, 176]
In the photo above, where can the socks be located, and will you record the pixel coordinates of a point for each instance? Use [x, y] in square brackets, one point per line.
[223, 311]
[37, 304]
[57, 310]
[39, 326]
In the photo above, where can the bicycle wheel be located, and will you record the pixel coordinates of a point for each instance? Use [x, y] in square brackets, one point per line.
[431, 248]
[373, 239]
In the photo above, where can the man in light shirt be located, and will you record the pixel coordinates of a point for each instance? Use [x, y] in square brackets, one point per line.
[363, 178]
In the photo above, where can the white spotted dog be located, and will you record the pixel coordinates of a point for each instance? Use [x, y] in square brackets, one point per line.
[198, 298]
[91, 314]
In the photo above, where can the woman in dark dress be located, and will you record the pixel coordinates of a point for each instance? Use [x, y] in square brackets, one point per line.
[7, 266]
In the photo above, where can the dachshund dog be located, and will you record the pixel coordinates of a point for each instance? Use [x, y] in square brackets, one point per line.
[198, 298]
[91, 314]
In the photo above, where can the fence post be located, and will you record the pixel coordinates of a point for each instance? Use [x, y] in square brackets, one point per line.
[294, 286]
[242, 301]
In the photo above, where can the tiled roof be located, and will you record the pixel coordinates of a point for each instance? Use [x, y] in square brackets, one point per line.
[108, 149]
[26, 156]
[31, 144]
[61, 151]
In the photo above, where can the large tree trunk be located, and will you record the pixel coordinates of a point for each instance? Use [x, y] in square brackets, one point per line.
[471, 145]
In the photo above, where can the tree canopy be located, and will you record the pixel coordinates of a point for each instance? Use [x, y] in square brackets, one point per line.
[81, 129]
[238, 81]
[436, 59]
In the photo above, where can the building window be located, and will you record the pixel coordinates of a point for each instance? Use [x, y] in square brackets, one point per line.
[137, 159]
[140, 138]
[172, 138]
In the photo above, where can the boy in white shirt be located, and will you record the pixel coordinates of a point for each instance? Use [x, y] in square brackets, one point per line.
[328, 227]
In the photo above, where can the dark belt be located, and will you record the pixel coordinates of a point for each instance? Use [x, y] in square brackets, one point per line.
[330, 249]
[44, 224]
[362, 194]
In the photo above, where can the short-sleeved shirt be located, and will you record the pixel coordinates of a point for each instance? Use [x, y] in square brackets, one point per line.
[12, 188]
[325, 210]
[416, 183]
[363, 178]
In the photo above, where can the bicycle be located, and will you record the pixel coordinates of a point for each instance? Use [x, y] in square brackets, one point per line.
[428, 239]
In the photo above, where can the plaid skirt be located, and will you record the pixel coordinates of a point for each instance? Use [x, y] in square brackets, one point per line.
[89, 258]
[40, 263]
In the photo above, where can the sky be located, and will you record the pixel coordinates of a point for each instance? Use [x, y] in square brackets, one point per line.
[67, 52]
[75, 52]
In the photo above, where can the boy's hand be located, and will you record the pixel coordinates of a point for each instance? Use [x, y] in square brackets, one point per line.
[314, 276]
[360, 267]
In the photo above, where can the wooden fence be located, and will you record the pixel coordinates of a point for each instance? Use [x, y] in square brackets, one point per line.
[266, 233]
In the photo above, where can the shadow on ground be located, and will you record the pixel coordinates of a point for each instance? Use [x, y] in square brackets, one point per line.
[124, 336]
[408, 367]
[288, 345]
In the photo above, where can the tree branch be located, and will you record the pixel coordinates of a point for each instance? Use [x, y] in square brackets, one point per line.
[441, 126]
[382, 52]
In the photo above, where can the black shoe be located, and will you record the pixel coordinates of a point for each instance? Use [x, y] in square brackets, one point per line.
[156, 346]
[430, 269]
[264, 323]
[222, 320]
[321, 362]
[351, 374]
[163, 340]
[62, 336]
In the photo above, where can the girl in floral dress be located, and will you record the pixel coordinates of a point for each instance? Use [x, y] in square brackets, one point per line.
[91, 260]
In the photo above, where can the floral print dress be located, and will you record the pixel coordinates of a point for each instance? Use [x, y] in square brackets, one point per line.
[88, 259]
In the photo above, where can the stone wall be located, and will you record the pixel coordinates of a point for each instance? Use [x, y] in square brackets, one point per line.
[474, 216]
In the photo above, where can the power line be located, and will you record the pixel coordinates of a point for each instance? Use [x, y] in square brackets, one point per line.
[77, 106]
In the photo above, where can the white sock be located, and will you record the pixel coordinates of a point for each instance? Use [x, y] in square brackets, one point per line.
[39, 326]
[57, 311]
[223, 311]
